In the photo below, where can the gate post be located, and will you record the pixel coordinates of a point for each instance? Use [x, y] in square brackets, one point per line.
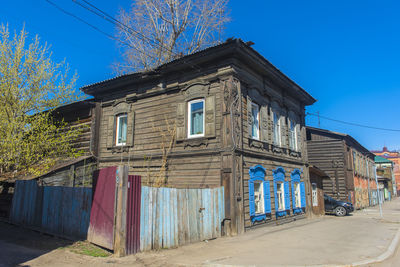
[120, 210]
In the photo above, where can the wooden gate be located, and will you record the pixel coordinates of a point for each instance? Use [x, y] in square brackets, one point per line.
[101, 228]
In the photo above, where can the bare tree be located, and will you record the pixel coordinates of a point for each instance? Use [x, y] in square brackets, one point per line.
[158, 31]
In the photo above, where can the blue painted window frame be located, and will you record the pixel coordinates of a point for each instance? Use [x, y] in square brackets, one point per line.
[279, 177]
[258, 173]
[296, 178]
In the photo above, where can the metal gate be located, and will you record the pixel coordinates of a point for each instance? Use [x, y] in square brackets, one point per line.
[101, 228]
[133, 215]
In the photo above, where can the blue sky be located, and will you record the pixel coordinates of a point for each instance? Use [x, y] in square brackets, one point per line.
[346, 54]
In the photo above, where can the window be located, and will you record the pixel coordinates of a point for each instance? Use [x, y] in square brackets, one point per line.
[277, 130]
[292, 135]
[196, 118]
[255, 118]
[258, 197]
[122, 127]
[314, 195]
[280, 195]
[297, 196]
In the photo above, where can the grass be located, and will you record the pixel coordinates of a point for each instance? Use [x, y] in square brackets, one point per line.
[86, 248]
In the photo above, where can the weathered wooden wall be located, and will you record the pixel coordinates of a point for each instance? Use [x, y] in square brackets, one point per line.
[62, 211]
[173, 217]
[77, 174]
[192, 163]
[269, 165]
[328, 155]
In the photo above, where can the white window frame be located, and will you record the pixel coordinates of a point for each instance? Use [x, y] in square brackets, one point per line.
[254, 105]
[314, 195]
[190, 118]
[118, 117]
[260, 194]
[277, 128]
[282, 202]
[297, 195]
[294, 137]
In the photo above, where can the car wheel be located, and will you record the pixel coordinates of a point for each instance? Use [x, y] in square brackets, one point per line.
[340, 211]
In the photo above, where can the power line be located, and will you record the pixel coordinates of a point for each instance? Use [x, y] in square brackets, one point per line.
[104, 15]
[94, 27]
[352, 123]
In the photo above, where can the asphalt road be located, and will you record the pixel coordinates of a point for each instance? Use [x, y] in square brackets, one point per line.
[328, 240]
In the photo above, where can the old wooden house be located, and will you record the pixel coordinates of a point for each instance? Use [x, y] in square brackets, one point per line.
[222, 116]
[349, 165]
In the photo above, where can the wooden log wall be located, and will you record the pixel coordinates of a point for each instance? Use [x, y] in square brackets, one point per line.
[328, 155]
[192, 163]
[78, 174]
[269, 165]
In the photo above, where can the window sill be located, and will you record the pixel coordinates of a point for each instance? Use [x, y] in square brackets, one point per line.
[195, 142]
[258, 144]
[116, 149]
[298, 211]
[278, 149]
[260, 217]
[294, 153]
[281, 213]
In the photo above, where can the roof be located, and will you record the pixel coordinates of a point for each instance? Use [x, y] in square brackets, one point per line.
[232, 48]
[379, 159]
[53, 169]
[348, 138]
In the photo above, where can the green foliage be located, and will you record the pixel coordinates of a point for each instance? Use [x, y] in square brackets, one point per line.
[31, 87]
[85, 248]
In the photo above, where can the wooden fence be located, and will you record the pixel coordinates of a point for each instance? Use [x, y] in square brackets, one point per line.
[62, 211]
[172, 217]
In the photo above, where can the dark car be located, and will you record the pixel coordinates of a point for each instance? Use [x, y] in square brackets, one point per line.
[339, 208]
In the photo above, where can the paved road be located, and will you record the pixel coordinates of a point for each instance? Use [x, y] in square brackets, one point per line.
[328, 240]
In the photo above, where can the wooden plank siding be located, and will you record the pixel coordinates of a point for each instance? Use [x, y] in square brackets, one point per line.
[328, 155]
[269, 165]
[195, 171]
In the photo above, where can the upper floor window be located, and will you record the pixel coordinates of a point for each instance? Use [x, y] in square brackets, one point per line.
[255, 127]
[121, 129]
[292, 135]
[277, 129]
[196, 118]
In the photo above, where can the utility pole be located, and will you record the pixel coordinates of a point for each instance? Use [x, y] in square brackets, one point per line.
[319, 121]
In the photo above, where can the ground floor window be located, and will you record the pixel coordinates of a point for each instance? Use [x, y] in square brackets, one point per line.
[297, 195]
[280, 194]
[258, 197]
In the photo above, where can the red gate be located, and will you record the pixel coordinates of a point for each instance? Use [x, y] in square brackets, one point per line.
[101, 228]
[133, 215]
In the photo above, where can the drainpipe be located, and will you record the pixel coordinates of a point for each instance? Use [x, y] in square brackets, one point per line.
[379, 193]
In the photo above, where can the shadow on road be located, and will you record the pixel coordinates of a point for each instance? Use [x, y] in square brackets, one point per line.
[19, 245]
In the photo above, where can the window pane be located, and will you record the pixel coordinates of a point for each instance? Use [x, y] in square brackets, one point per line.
[122, 129]
[277, 137]
[297, 195]
[255, 122]
[258, 197]
[197, 118]
[279, 194]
